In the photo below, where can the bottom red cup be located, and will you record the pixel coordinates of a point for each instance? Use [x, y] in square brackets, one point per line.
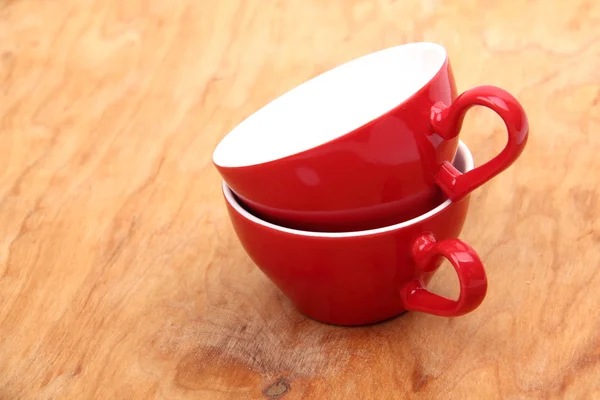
[363, 277]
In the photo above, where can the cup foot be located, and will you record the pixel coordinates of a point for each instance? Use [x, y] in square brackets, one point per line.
[350, 322]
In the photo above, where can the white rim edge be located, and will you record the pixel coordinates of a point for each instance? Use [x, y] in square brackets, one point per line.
[462, 149]
[215, 150]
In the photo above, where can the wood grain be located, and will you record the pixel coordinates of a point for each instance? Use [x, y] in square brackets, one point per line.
[120, 274]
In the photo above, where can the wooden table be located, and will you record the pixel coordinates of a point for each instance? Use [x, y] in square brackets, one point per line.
[121, 276]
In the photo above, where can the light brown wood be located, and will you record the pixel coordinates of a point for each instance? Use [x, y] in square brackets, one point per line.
[121, 276]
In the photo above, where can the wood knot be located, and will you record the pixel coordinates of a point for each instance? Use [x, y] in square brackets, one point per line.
[277, 389]
[6, 56]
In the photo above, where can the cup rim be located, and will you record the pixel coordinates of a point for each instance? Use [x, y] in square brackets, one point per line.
[231, 152]
[461, 151]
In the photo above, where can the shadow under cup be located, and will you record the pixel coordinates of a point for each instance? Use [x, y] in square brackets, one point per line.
[363, 277]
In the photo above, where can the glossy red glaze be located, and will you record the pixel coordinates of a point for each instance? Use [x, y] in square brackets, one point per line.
[355, 278]
[378, 174]
[384, 172]
[447, 121]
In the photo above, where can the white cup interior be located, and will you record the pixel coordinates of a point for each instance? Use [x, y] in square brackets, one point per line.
[463, 161]
[331, 104]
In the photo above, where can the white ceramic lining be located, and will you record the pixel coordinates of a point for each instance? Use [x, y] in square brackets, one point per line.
[463, 161]
[331, 105]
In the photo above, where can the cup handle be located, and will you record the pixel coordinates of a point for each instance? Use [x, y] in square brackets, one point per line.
[447, 121]
[468, 267]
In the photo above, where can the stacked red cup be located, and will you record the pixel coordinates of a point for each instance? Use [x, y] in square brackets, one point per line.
[349, 190]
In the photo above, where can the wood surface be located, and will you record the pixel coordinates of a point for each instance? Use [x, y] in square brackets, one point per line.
[121, 276]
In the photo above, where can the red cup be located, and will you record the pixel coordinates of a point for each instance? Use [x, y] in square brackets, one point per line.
[366, 144]
[355, 278]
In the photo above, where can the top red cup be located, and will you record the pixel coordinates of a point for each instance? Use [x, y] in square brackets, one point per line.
[366, 144]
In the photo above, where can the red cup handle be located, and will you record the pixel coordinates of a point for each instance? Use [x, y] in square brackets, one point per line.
[468, 267]
[447, 121]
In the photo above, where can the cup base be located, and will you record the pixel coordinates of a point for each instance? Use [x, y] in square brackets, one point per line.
[382, 216]
[352, 323]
